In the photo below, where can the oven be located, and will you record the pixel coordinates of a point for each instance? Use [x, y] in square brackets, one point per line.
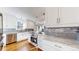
[34, 38]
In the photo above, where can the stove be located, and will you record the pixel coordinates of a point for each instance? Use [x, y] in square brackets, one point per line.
[34, 38]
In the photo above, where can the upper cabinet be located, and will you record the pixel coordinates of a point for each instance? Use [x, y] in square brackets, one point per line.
[62, 17]
[51, 16]
[69, 16]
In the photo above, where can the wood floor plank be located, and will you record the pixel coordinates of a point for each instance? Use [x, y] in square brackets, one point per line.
[21, 46]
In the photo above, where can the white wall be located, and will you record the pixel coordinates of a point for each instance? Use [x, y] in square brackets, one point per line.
[11, 15]
[38, 13]
[9, 21]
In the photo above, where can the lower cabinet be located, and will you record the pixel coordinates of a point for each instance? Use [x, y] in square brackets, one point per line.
[54, 46]
[10, 38]
[23, 36]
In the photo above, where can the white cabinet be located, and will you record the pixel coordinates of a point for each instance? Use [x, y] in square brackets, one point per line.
[23, 36]
[69, 16]
[62, 17]
[51, 16]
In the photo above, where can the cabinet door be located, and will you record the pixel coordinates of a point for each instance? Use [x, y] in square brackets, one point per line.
[11, 38]
[69, 16]
[20, 37]
[51, 16]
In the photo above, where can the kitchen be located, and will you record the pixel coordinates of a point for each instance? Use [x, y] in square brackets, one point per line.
[44, 28]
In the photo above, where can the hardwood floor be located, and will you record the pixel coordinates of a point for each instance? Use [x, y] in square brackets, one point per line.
[21, 46]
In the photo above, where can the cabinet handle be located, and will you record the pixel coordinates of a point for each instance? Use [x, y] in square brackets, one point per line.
[57, 20]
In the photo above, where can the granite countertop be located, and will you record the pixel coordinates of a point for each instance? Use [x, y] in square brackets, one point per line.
[69, 42]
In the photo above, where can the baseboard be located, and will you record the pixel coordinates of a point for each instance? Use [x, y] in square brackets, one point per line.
[17, 41]
[11, 43]
[22, 40]
[35, 46]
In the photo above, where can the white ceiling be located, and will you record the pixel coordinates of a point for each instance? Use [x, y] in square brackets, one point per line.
[25, 11]
[34, 11]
